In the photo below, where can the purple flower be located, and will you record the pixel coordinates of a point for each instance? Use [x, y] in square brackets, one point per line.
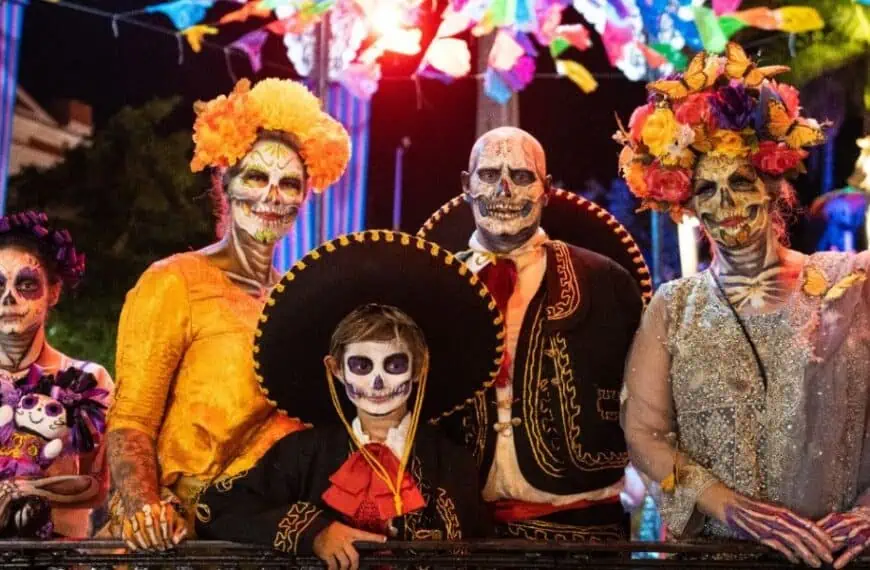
[732, 107]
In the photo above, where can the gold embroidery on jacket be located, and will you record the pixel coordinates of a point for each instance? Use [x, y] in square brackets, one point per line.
[297, 519]
[569, 288]
[543, 530]
[447, 511]
[538, 408]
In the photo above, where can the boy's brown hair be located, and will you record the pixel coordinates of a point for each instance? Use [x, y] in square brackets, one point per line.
[374, 322]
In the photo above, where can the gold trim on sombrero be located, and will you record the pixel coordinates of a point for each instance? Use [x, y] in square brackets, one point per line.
[320, 254]
[641, 269]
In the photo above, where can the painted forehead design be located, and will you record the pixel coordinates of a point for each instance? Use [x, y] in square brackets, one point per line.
[272, 154]
[497, 148]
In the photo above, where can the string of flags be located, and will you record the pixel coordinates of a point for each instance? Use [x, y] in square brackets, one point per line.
[639, 36]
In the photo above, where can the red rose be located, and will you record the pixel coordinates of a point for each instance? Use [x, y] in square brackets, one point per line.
[777, 158]
[694, 110]
[672, 185]
[637, 120]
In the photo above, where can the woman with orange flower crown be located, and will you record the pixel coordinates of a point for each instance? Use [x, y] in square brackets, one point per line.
[188, 408]
[748, 386]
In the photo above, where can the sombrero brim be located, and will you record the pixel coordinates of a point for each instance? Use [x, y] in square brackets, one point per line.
[567, 217]
[458, 317]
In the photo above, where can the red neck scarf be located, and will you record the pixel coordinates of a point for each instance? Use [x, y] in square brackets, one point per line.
[360, 494]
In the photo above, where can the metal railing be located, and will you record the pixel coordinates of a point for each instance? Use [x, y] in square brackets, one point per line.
[98, 554]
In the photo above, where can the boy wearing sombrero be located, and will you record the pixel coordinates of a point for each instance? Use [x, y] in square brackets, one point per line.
[354, 341]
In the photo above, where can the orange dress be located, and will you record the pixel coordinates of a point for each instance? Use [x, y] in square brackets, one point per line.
[185, 374]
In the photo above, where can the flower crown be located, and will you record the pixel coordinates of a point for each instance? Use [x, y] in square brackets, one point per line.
[70, 263]
[722, 106]
[227, 127]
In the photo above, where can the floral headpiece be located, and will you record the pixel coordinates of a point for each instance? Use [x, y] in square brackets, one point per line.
[725, 106]
[75, 389]
[227, 127]
[58, 244]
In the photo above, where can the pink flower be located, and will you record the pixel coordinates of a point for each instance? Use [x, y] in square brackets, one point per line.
[777, 158]
[672, 185]
[790, 98]
[638, 119]
[694, 109]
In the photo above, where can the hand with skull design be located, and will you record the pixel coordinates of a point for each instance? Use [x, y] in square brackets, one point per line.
[777, 527]
[153, 526]
[850, 532]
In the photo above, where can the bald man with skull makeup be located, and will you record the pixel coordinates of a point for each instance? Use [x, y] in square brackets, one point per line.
[546, 436]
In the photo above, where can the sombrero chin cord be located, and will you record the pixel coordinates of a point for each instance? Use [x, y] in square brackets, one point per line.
[395, 487]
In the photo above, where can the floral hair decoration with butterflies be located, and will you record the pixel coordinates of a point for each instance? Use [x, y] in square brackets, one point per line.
[722, 106]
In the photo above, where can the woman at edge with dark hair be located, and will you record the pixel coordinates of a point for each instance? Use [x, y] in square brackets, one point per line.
[37, 263]
[747, 392]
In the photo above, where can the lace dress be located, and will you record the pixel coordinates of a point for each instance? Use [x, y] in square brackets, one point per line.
[693, 388]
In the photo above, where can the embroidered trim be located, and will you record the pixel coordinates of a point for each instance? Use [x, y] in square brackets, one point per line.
[447, 511]
[543, 530]
[569, 288]
[225, 484]
[533, 408]
[297, 519]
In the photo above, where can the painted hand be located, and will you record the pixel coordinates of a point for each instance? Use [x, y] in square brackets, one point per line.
[334, 545]
[9, 491]
[777, 527]
[152, 526]
[850, 532]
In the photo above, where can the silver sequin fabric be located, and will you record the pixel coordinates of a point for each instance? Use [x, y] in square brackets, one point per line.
[803, 442]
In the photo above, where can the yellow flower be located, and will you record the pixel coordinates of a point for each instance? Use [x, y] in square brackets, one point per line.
[659, 131]
[729, 143]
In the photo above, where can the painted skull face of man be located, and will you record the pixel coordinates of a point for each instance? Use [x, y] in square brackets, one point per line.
[26, 294]
[731, 201]
[268, 190]
[507, 187]
[41, 415]
[377, 375]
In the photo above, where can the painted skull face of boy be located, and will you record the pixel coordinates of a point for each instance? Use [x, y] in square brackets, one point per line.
[377, 375]
[268, 190]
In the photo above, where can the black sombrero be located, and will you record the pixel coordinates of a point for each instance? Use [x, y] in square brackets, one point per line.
[458, 317]
[567, 217]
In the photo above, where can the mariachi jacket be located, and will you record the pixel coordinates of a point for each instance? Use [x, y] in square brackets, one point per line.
[278, 502]
[568, 371]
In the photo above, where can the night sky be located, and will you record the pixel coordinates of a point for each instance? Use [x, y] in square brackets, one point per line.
[66, 54]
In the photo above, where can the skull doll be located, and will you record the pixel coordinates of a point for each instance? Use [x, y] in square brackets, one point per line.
[43, 415]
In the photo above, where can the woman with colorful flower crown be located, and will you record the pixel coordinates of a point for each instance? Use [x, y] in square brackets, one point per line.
[748, 386]
[189, 410]
[37, 263]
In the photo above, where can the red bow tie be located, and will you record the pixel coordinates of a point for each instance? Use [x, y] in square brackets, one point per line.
[358, 493]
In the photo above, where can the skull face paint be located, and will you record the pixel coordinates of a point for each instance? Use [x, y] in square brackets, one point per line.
[268, 190]
[731, 201]
[41, 415]
[25, 298]
[377, 375]
[507, 187]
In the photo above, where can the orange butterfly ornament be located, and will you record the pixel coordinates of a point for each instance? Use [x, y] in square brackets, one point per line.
[739, 66]
[796, 133]
[696, 78]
